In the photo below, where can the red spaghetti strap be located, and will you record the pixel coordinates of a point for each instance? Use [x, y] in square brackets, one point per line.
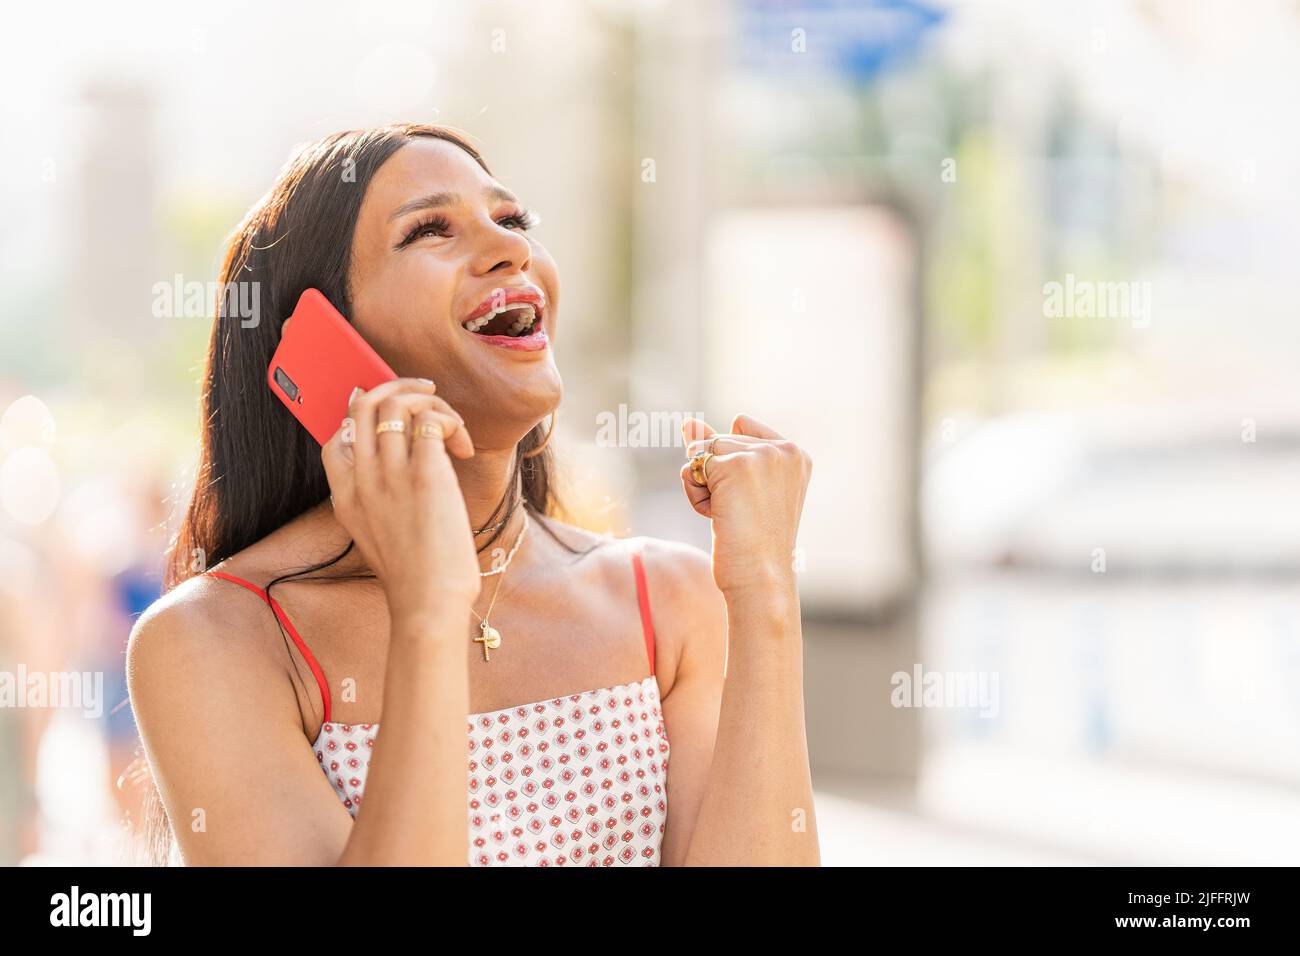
[293, 633]
[643, 599]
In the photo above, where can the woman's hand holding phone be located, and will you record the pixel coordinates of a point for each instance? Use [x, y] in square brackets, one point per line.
[398, 496]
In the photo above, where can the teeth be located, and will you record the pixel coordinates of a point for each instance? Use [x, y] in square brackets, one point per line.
[527, 316]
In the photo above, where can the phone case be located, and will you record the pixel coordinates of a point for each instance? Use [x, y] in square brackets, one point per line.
[321, 358]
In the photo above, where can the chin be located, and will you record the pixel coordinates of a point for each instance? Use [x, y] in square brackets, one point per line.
[512, 413]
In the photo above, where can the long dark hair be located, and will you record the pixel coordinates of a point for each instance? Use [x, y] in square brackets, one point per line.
[258, 467]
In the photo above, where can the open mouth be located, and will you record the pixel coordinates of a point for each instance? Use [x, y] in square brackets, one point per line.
[512, 313]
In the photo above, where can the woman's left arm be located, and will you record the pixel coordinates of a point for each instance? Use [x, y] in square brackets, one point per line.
[740, 790]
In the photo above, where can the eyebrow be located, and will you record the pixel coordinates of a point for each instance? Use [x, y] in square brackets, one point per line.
[434, 200]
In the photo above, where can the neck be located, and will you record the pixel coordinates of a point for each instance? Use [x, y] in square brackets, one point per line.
[484, 483]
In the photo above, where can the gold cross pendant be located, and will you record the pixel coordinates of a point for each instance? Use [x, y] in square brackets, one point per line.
[490, 638]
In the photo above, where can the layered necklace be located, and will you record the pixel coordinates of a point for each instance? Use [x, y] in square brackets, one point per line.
[488, 635]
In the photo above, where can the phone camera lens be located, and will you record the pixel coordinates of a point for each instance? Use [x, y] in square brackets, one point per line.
[286, 383]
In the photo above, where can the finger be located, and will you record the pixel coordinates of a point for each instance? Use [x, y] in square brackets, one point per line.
[693, 428]
[428, 453]
[392, 386]
[363, 404]
[717, 467]
[337, 457]
[749, 425]
[697, 496]
[358, 432]
[404, 407]
[721, 444]
[363, 409]
[393, 448]
[455, 437]
[344, 438]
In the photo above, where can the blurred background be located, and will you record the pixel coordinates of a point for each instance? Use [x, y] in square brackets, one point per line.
[1017, 274]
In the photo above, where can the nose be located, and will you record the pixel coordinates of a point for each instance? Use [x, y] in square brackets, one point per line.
[502, 250]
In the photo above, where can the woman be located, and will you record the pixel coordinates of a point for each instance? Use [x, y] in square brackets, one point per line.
[419, 575]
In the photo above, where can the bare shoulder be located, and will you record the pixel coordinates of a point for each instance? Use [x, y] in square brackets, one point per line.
[690, 614]
[220, 721]
[194, 635]
[210, 618]
[677, 574]
[688, 611]
[683, 570]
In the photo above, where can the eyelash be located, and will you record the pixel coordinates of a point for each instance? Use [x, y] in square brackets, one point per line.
[523, 220]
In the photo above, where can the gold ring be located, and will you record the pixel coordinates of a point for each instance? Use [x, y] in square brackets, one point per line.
[700, 469]
[392, 425]
[707, 448]
[429, 430]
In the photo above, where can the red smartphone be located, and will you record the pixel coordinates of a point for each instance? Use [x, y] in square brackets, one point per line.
[321, 358]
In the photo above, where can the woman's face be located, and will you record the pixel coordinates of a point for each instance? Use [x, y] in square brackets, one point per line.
[438, 240]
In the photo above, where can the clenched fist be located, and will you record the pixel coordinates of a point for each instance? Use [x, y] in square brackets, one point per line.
[754, 495]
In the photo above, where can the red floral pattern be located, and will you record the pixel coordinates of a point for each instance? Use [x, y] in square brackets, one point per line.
[575, 781]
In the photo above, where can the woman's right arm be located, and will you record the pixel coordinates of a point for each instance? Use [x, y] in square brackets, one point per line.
[220, 723]
[239, 780]
[414, 808]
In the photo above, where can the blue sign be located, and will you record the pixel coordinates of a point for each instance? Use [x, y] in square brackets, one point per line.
[856, 39]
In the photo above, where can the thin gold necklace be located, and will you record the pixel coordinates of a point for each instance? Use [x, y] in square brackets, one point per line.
[488, 635]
